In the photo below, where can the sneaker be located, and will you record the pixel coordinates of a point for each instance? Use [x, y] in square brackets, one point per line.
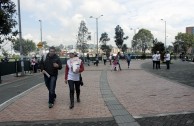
[50, 105]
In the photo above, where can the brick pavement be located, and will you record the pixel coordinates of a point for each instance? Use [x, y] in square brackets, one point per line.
[145, 94]
[142, 94]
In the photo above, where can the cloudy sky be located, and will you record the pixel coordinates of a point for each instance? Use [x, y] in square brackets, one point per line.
[61, 18]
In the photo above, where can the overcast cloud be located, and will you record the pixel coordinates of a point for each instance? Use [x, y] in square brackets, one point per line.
[61, 18]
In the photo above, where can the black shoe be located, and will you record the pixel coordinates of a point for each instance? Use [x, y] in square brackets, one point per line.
[50, 105]
[78, 100]
[71, 106]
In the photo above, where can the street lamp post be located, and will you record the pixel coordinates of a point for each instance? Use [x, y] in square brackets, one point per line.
[40, 30]
[20, 38]
[41, 49]
[165, 32]
[96, 29]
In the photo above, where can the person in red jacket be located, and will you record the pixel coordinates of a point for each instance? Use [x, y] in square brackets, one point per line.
[73, 69]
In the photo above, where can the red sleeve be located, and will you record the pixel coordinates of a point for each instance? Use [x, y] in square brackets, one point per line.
[66, 72]
[81, 67]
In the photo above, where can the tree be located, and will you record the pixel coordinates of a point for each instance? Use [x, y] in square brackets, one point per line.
[119, 36]
[143, 40]
[83, 37]
[124, 48]
[104, 47]
[104, 38]
[83, 47]
[45, 45]
[178, 47]
[27, 46]
[170, 48]
[4, 52]
[61, 46]
[8, 23]
[158, 46]
[185, 40]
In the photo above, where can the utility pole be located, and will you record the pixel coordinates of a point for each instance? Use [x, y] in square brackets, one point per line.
[96, 29]
[20, 38]
[165, 33]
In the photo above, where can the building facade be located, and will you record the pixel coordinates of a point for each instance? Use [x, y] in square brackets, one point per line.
[190, 30]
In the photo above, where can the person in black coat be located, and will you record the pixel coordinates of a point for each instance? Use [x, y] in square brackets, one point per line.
[50, 64]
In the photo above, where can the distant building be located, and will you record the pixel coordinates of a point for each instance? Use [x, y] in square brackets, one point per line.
[190, 30]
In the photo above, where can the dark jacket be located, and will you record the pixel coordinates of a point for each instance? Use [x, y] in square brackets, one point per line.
[47, 64]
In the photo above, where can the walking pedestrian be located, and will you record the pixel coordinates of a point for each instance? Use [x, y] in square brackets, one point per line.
[49, 66]
[34, 64]
[117, 58]
[73, 70]
[110, 59]
[154, 59]
[104, 58]
[88, 59]
[167, 57]
[128, 59]
[96, 60]
[158, 60]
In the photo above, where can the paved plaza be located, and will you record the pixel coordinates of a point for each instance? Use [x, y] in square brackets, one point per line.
[138, 96]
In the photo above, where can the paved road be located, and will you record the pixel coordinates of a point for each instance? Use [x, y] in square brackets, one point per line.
[173, 120]
[13, 88]
[180, 71]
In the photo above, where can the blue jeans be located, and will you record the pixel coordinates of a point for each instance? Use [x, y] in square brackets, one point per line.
[51, 85]
[128, 62]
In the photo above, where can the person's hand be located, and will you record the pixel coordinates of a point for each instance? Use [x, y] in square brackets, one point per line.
[65, 81]
[55, 65]
[43, 71]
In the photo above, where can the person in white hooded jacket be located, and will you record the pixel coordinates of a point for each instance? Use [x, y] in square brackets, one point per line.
[73, 69]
